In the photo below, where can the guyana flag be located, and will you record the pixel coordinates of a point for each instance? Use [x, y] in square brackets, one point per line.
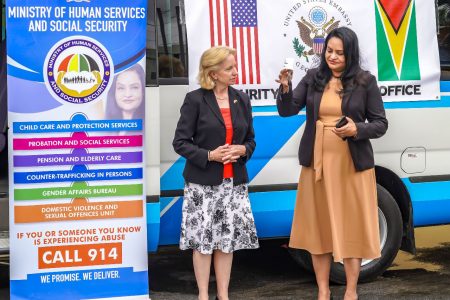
[396, 31]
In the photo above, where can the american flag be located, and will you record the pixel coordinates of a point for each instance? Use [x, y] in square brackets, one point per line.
[318, 43]
[234, 23]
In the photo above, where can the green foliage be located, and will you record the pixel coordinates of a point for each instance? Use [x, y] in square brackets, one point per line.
[299, 49]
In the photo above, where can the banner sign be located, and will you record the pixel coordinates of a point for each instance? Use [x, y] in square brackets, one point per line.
[76, 103]
[397, 39]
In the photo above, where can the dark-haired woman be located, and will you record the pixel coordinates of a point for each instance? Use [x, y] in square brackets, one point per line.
[336, 215]
[126, 97]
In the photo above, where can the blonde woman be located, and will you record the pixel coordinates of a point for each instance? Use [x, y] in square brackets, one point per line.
[215, 135]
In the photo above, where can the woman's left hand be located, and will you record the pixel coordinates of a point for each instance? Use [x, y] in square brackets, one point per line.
[233, 153]
[348, 130]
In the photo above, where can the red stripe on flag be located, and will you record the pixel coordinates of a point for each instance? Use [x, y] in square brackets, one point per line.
[219, 23]
[211, 22]
[235, 47]
[225, 18]
[241, 50]
[249, 53]
[258, 77]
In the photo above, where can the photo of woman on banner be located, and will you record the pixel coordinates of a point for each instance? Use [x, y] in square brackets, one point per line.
[126, 97]
[215, 134]
[336, 213]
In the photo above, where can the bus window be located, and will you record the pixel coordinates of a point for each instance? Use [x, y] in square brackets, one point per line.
[172, 42]
[444, 37]
[152, 65]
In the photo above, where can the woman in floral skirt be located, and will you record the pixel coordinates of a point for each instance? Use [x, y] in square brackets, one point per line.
[215, 135]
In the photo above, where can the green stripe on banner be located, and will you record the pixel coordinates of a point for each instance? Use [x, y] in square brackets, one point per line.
[78, 190]
[386, 66]
[410, 65]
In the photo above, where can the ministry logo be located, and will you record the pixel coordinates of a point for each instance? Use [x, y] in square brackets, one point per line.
[78, 70]
[306, 27]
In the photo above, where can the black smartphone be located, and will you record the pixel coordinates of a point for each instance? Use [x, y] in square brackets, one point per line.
[341, 122]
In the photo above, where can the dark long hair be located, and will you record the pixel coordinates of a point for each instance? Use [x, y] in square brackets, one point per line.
[352, 75]
[113, 111]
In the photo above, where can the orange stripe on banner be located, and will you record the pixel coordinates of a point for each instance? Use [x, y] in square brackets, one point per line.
[79, 209]
[80, 255]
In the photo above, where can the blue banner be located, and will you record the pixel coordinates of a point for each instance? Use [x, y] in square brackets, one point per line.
[76, 104]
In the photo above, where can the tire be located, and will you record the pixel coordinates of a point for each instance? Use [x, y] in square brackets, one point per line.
[302, 258]
[390, 223]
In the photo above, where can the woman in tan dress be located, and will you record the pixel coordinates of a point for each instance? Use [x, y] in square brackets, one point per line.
[336, 215]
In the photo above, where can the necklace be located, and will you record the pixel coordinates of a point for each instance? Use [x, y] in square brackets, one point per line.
[337, 77]
[221, 98]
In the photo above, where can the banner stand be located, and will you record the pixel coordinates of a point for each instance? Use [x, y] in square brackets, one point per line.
[76, 98]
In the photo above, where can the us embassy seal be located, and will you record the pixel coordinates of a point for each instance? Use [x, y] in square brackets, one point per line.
[78, 70]
[307, 24]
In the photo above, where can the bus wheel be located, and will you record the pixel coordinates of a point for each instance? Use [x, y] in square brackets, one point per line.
[390, 224]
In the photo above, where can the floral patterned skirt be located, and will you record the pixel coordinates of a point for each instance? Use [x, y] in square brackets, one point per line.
[217, 217]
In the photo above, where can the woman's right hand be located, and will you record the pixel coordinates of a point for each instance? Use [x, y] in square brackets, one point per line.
[219, 153]
[283, 79]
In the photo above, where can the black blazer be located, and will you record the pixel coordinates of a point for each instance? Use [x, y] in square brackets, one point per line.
[363, 104]
[202, 128]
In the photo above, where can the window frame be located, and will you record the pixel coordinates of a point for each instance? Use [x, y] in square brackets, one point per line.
[151, 6]
[444, 65]
[182, 35]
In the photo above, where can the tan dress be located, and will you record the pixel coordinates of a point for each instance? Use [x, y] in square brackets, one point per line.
[336, 210]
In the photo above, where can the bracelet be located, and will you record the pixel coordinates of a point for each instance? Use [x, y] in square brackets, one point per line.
[209, 155]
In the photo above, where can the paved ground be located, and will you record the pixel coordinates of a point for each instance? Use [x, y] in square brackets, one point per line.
[269, 273]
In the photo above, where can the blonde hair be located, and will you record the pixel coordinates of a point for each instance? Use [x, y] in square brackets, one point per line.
[209, 62]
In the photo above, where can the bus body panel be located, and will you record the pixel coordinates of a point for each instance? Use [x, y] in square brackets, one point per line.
[414, 124]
